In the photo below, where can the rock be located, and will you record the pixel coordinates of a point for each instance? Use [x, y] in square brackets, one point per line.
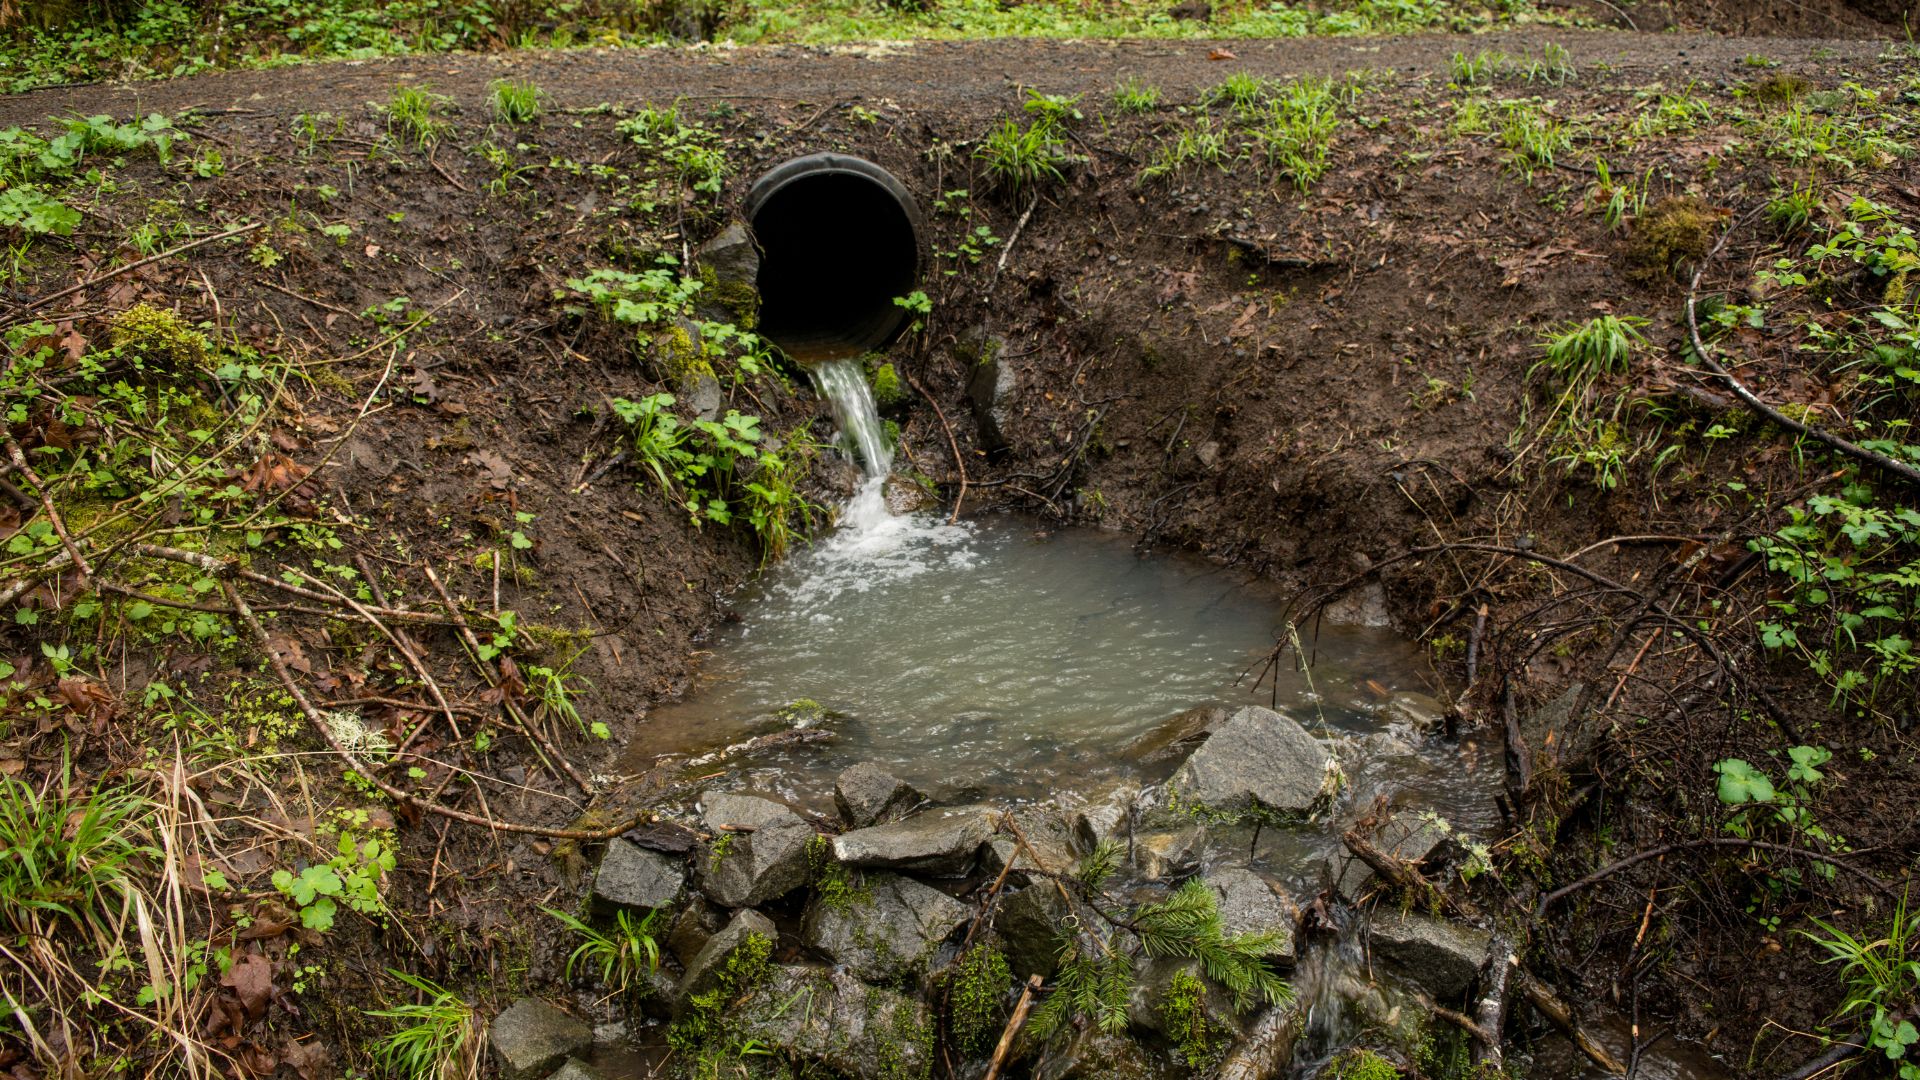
[1421, 712]
[1171, 736]
[889, 931]
[1207, 453]
[1092, 1054]
[631, 876]
[692, 926]
[1440, 956]
[1105, 815]
[1362, 606]
[940, 843]
[840, 1024]
[1554, 733]
[991, 388]
[575, 1069]
[730, 258]
[1170, 853]
[867, 794]
[747, 869]
[1029, 922]
[1153, 979]
[706, 968]
[1407, 835]
[1248, 905]
[701, 393]
[531, 1038]
[906, 496]
[1256, 762]
[1052, 841]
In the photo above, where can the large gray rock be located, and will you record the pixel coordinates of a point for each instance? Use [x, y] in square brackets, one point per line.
[939, 843]
[1106, 813]
[1248, 905]
[992, 388]
[1031, 922]
[1440, 956]
[1256, 763]
[747, 869]
[709, 965]
[731, 256]
[867, 794]
[1147, 1005]
[692, 926]
[1091, 1054]
[531, 1038]
[837, 1022]
[631, 876]
[1176, 734]
[1169, 853]
[575, 1069]
[888, 931]
[1408, 835]
[1049, 839]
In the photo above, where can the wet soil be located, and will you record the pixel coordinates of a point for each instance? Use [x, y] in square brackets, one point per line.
[1298, 385]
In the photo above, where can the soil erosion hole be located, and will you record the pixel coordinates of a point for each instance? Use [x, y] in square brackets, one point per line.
[840, 239]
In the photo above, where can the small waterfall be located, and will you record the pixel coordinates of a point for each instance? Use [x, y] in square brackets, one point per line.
[844, 384]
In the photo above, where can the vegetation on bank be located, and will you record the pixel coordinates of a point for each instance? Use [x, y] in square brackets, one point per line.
[67, 41]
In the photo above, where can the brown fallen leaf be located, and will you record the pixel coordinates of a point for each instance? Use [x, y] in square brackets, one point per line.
[1221, 54]
[251, 980]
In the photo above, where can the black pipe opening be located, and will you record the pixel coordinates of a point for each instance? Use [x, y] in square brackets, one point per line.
[839, 240]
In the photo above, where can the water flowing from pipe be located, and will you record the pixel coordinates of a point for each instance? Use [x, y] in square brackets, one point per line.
[844, 385]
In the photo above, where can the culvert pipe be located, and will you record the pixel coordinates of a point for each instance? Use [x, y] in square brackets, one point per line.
[840, 238]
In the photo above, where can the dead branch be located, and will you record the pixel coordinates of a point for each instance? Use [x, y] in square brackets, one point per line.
[1542, 997]
[1490, 1017]
[1402, 875]
[1711, 841]
[1018, 1021]
[46, 504]
[952, 445]
[118, 270]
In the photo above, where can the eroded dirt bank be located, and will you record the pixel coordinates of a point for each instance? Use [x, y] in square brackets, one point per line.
[1307, 365]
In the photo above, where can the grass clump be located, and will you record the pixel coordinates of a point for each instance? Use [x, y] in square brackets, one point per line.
[439, 1039]
[623, 959]
[160, 337]
[514, 101]
[413, 115]
[1882, 976]
[1134, 96]
[63, 856]
[1778, 89]
[1670, 238]
[1360, 1063]
[1792, 210]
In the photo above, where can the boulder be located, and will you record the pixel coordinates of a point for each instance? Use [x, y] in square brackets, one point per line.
[1249, 905]
[1048, 835]
[888, 931]
[1256, 763]
[1169, 853]
[707, 967]
[992, 388]
[631, 876]
[692, 926]
[531, 1038]
[1029, 922]
[840, 1024]
[867, 794]
[575, 1069]
[938, 843]
[747, 869]
[1442, 957]
[1104, 814]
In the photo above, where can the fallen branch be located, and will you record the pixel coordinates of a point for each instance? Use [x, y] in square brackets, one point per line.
[59, 524]
[1007, 248]
[1542, 997]
[1018, 1021]
[1490, 1018]
[952, 444]
[1402, 875]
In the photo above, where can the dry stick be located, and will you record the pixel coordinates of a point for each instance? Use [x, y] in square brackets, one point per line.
[216, 567]
[406, 647]
[1404, 877]
[1859, 453]
[1542, 997]
[117, 271]
[46, 503]
[322, 304]
[1014, 1025]
[319, 722]
[513, 710]
[1711, 841]
[1007, 249]
[1490, 1019]
[952, 445]
[986, 906]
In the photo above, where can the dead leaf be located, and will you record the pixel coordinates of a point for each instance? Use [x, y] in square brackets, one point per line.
[251, 980]
[1221, 54]
[290, 652]
[499, 473]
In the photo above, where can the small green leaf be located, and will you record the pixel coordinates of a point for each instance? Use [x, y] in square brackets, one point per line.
[1742, 783]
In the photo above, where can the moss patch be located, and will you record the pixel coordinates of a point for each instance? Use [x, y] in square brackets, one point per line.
[977, 986]
[160, 337]
[1670, 239]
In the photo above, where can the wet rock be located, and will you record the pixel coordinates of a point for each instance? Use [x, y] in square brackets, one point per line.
[531, 1038]
[701, 393]
[888, 931]
[1364, 605]
[939, 843]
[1170, 853]
[731, 257]
[1092, 1054]
[1107, 814]
[843, 1025]
[1440, 956]
[992, 387]
[1422, 713]
[1050, 838]
[707, 966]
[1256, 761]
[1407, 835]
[1029, 922]
[631, 876]
[747, 869]
[575, 1069]
[692, 926]
[1248, 905]
[1176, 734]
[1152, 982]
[867, 794]
[906, 496]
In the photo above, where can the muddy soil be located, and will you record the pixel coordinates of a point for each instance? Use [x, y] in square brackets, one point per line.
[1300, 384]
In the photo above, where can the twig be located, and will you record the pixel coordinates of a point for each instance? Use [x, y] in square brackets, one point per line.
[1491, 1017]
[118, 270]
[1018, 1021]
[46, 503]
[1007, 248]
[1859, 453]
[1542, 997]
[321, 304]
[447, 176]
[1711, 841]
[952, 444]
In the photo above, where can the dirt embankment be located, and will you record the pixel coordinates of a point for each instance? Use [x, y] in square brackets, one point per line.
[1304, 382]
